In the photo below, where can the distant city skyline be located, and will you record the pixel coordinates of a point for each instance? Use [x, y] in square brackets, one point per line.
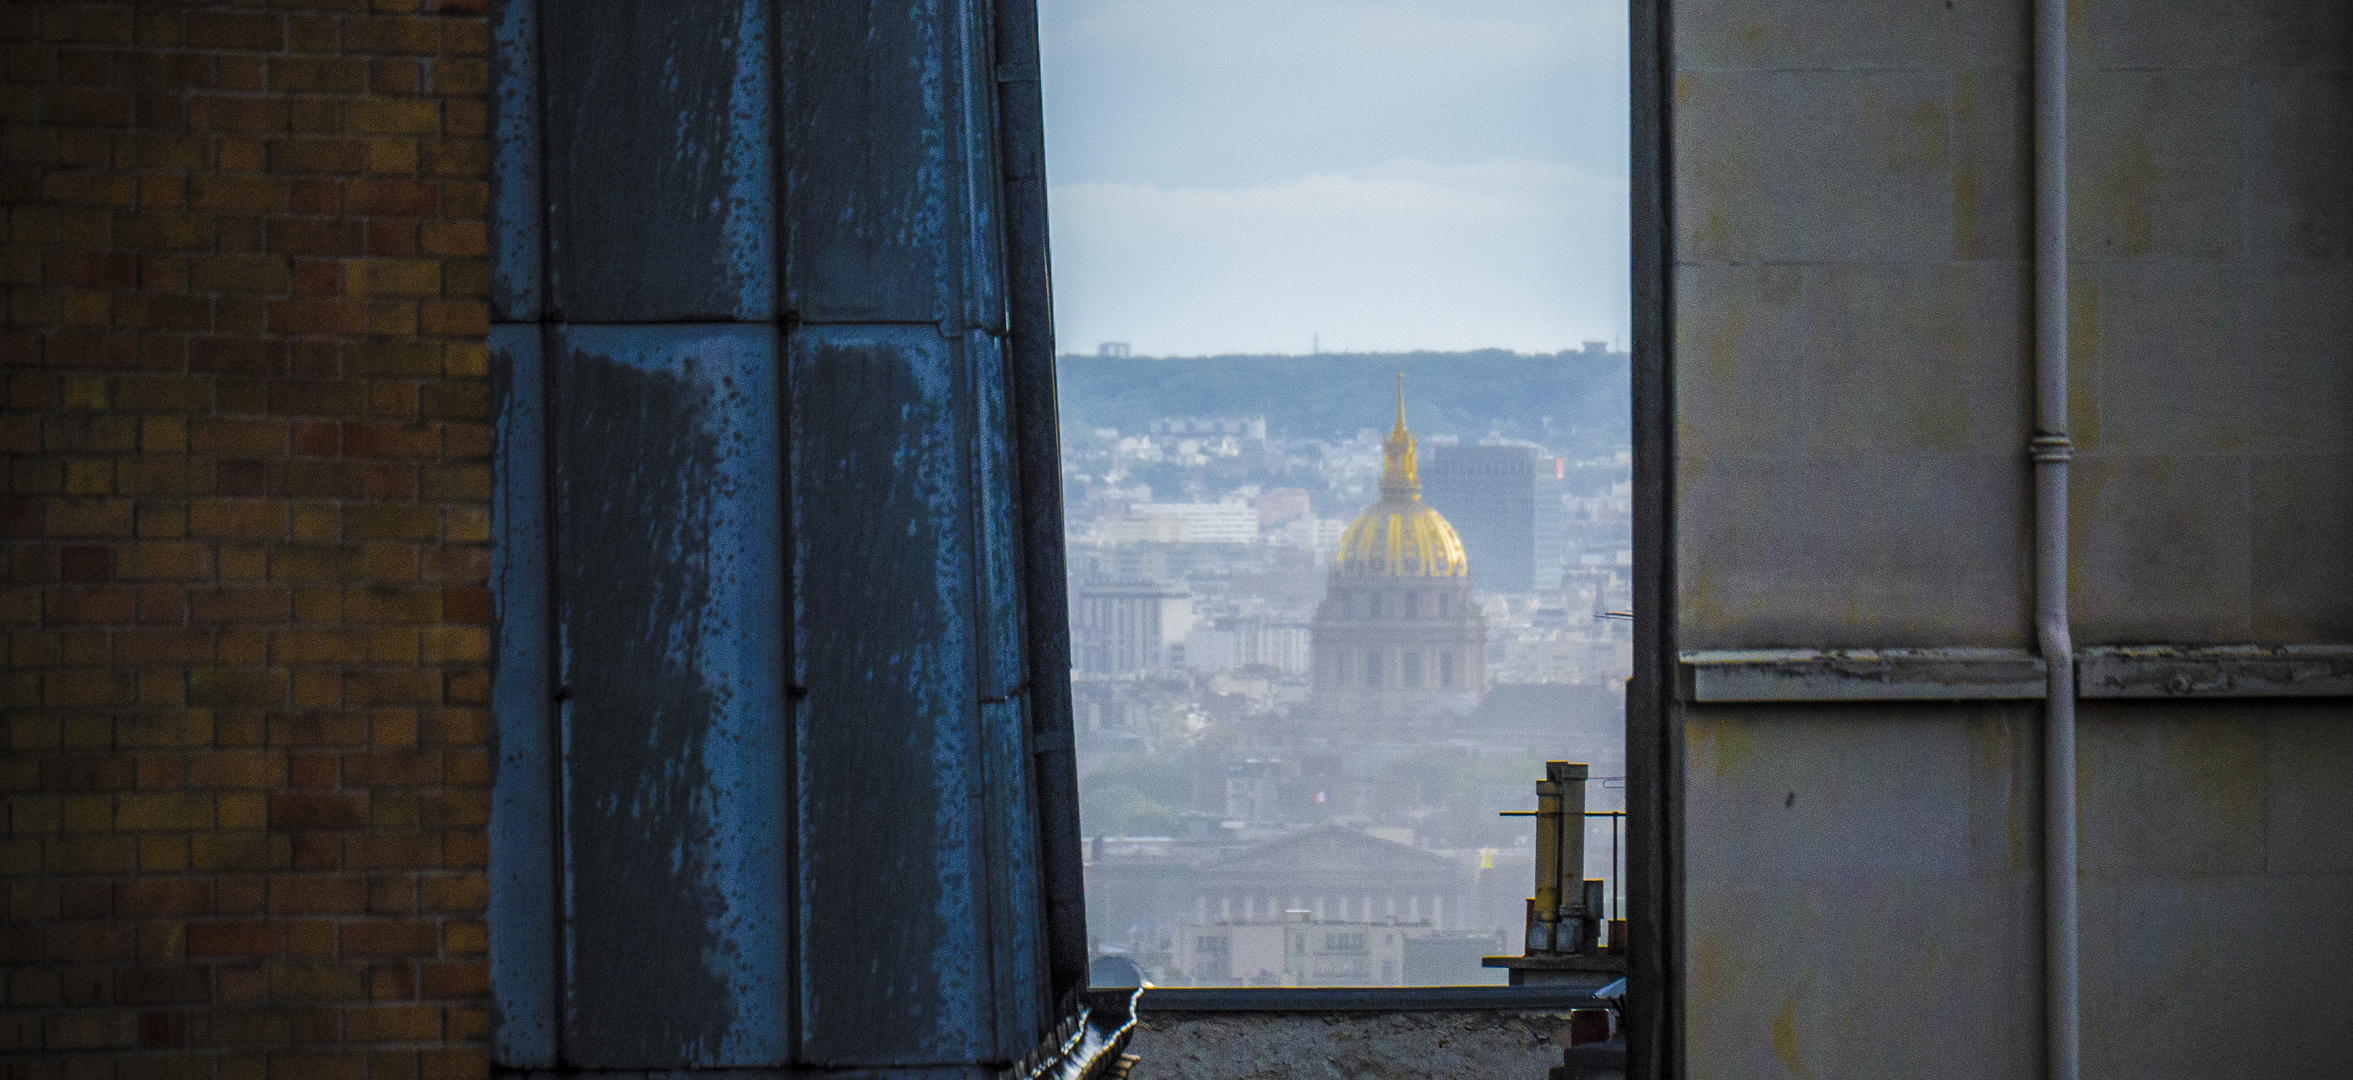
[1359, 177]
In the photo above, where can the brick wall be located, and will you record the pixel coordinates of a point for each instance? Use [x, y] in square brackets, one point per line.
[247, 506]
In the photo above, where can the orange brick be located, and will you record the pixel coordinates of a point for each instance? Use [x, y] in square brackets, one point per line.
[392, 1023]
[165, 562]
[393, 116]
[251, 604]
[92, 854]
[471, 1063]
[390, 938]
[172, 810]
[454, 980]
[232, 769]
[163, 896]
[315, 982]
[241, 525]
[245, 850]
[460, 893]
[251, 32]
[392, 851]
[88, 605]
[317, 810]
[318, 1065]
[312, 894]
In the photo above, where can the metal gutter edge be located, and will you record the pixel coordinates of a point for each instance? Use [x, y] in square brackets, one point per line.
[1767, 675]
[1036, 433]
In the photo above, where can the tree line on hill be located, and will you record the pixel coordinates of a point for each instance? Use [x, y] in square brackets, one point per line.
[1573, 403]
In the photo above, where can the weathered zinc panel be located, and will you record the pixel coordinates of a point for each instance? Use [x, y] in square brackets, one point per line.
[668, 510]
[523, 830]
[517, 213]
[909, 716]
[660, 158]
[733, 872]
[889, 154]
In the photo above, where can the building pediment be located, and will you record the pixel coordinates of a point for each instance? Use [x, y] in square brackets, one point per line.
[1329, 850]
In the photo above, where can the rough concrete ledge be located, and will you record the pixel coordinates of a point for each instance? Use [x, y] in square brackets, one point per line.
[1764, 675]
[2157, 671]
[879, 1072]
[1417, 1045]
[2128, 671]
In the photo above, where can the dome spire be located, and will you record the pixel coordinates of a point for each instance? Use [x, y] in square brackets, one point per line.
[1400, 428]
[1399, 477]
[1400, 535]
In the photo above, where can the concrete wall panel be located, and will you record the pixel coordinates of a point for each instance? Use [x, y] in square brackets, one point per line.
[1910, 359]
[2301, 510]
[1862, 891]
[2161, 548]
[2217, 888]
[2168, 962]
[1851, 363]
[1993, 201]
[2171, 790]
[2299, 396]
[2172, 368]
[1879, 550]
[1824, 34]
[2308, 793]
[1805, 165]
[2299, 138]
[2155, 164]
[2211, 33]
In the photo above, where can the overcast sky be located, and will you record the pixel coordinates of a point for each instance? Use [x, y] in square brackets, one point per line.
[1240, 175]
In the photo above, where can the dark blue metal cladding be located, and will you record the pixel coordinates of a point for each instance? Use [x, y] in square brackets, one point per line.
[889, 144]
[517, 223]
[660, 161]
[669, 513]
[697, 867]
[918, 831]
[918, 885]
[523, 815]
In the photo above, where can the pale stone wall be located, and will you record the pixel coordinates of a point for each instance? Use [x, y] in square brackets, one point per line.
[1852, 365]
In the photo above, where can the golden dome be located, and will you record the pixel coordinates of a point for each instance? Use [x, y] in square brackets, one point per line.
[1400, 536]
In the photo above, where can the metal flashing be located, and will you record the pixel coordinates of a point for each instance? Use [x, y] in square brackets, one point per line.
[1767, 675]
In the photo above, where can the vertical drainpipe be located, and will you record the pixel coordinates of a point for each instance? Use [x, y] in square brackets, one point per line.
[2050, 449]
